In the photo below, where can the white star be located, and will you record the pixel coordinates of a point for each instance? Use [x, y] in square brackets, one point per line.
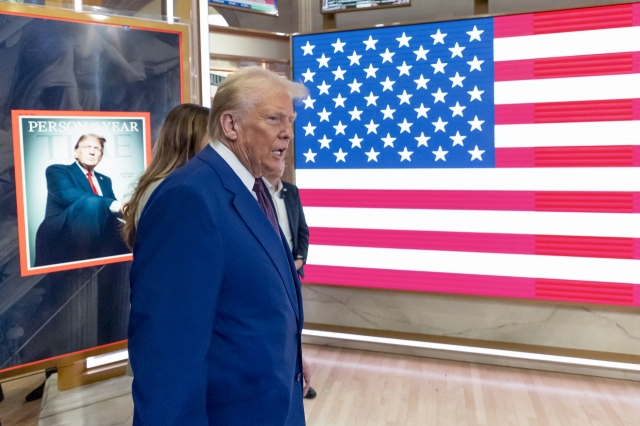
[457, 139]
[457, 109]
[438, 67]
[324, 142]
[372, 155]
[308, 49]
[308, 129]
[324, 115]
[310, 155]
[387, 84]
[456, 50]
[339, 101]
[421, 53]
[386, 56]
[422, 111]
[440, 154]
[404, 98]
[439, 96]
[355, 114]
[371, 43]
[421, 82]
[340, 156]
[324, 88]
[475, 34]
[404, 68]
[338, 46]
[476, 153]
[405, 155]
[308, 103]
[438, 37]
[476, 94]
[388, 141]
[323, 61]
[405, 126]
[456, 80]
[355, 58]
[355, 141]
[422, 139]
[475, 64]
[388, 113]
[439, 125]
[308, 76]
[371, 100]
[404, 40]
[340, 128]
[372, 127]
[371, 71]
[476, 124]
[339, 73]
[355, 86]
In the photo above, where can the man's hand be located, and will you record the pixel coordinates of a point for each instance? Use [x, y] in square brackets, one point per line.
[306, 376]
[299, 263]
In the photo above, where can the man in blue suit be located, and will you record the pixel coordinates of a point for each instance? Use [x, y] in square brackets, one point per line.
[81, 217]
[216, 308]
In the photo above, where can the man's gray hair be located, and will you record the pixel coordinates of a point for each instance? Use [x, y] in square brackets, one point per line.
[243, 89]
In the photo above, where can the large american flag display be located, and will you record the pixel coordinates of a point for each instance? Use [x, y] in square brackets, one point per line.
[494, 156]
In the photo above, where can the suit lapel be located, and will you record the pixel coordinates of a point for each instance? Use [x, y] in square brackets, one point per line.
[80, 178]
[253, 216]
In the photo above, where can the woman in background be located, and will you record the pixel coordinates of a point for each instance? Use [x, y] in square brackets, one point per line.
[183, 135]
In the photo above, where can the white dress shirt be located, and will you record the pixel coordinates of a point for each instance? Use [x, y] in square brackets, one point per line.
[281, 211]
[230, 158]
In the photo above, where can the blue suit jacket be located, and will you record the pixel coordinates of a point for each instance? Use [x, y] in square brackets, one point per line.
[216, 312]
[78, 223]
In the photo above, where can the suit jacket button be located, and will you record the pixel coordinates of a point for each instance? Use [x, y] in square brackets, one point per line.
[299, 377]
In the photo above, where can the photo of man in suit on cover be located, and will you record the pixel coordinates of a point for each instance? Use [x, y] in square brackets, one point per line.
[81, 219]
[75, 170]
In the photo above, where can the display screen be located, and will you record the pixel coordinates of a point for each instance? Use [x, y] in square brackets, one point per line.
[262, 6]
[494, 156]
[347, 5]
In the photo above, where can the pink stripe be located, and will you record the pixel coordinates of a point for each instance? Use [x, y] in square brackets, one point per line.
[513, 26]
[568, 112]
[480, 285]
[551, 245]
[584, 19]
[590, 156]
[636, 14]
[604, 202]
[573, 66]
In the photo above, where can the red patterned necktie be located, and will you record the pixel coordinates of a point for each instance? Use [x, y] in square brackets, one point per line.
[95, 191]
[265, 204]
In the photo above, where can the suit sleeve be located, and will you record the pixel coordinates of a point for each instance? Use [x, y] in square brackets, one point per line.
[63, 189]
[303, 231]
[176, 277]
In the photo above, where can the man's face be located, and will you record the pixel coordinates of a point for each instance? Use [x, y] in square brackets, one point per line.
[264, 135]
[89, 153]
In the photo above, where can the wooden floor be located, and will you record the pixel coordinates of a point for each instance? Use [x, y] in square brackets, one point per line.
[366, 388]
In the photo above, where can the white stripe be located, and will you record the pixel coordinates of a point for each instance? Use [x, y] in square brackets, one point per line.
[480, 221]
[599, 133]
[508, 179]
[503, 265]
[592, 42]
[592, 88]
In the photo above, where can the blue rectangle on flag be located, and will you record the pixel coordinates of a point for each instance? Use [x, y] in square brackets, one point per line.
[414, 96]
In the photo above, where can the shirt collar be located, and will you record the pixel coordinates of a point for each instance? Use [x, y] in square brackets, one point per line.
[245, 176]
[271, 188]
[84, 171]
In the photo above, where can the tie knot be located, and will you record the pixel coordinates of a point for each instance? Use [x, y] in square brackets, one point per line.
[88, 174]
[257, 186]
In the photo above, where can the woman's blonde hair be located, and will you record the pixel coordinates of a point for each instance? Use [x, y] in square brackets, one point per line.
[183, 135]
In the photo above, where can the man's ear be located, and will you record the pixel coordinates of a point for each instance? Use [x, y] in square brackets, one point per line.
[229, 125]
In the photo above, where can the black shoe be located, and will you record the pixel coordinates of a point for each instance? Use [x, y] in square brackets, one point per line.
[36, 393]
[1, 396]
[310, 394]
